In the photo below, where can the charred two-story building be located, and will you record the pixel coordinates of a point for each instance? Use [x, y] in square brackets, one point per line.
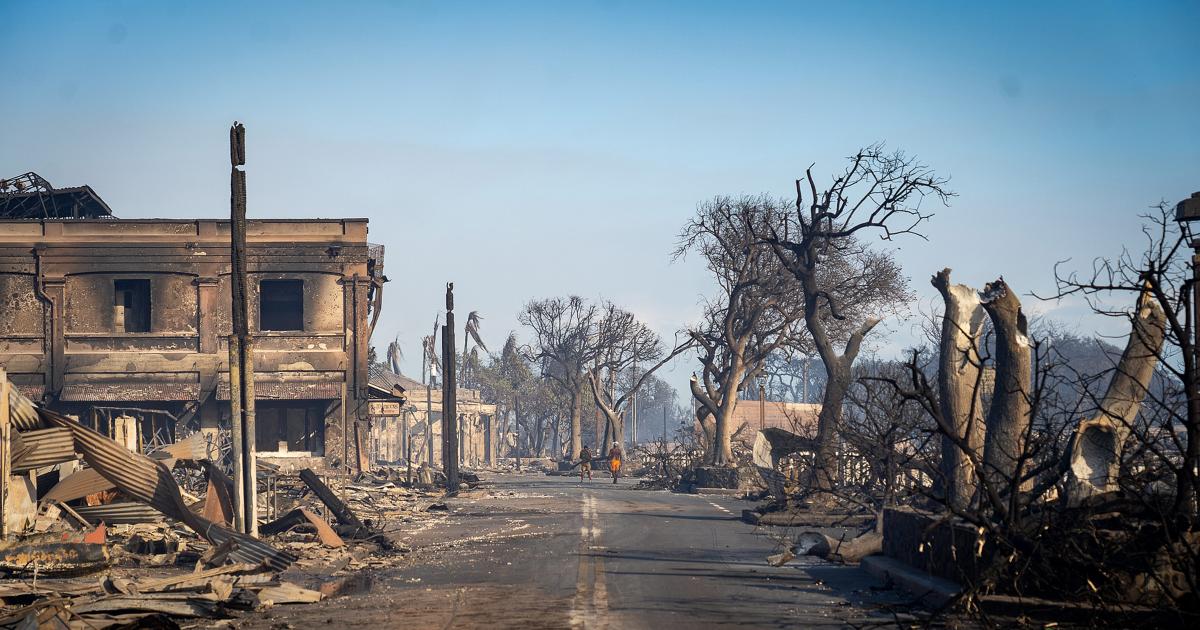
[107, 319]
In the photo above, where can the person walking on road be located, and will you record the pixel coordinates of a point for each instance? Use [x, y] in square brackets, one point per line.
[585, 463]
[614, 460]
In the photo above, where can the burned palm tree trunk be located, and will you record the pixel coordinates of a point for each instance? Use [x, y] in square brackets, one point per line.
[1097, 443]
[959, 388]
[241, 353]
[449, 397]
[1008, 415]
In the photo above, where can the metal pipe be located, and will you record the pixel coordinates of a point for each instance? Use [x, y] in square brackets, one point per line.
[47, 321]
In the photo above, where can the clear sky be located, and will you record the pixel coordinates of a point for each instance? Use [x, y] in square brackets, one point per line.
[528, 150]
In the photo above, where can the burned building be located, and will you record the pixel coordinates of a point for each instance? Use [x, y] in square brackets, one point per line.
[124, 323]
[400, 422]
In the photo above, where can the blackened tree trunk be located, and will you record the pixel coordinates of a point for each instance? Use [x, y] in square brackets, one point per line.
[843, 280]
[1098, 441]
[1008, 415]
[959, 389]
[576, 424]
[838, 368]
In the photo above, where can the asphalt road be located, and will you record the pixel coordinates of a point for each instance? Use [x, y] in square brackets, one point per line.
[530, 551]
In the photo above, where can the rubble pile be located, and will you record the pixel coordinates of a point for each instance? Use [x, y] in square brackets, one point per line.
[96, 535]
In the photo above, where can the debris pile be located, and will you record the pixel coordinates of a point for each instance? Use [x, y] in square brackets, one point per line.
[86, 521]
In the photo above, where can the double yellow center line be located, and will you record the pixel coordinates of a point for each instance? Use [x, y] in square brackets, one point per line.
[590, 605]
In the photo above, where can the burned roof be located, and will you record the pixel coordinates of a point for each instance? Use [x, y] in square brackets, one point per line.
[388, 383]
[30, 196]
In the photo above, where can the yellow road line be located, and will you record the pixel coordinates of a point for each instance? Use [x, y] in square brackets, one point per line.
[589, 607]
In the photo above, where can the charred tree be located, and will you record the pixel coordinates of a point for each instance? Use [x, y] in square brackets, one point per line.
[564, 347]
[1098, 441]
[755, 312]
[959, 388]
[847, 286]
[613, 407]
[1008, 415]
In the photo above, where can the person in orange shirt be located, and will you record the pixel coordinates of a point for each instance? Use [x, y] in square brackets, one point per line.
[614, 460]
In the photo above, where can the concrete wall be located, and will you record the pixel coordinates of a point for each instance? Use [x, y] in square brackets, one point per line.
[945, 549]
[20, 310]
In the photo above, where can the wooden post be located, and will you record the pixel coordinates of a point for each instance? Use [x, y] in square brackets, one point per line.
[449, 397]
[762, 407]
[5, 454]
[407, 447]
[241, 350]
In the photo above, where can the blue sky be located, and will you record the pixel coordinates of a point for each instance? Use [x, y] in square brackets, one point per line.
[564, 144]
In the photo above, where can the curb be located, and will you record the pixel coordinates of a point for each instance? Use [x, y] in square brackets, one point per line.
[731, 492]
[933, 591]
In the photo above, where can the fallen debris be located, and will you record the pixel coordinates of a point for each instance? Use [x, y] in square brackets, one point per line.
[345, 516]
[156, 523]
[830, 548]
[299, 516]
[50, 554]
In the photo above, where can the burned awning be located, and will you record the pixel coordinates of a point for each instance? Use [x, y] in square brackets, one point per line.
[292, 390]
[130, 391]
[31, 391]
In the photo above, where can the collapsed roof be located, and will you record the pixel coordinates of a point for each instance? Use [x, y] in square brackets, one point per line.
[30, 196]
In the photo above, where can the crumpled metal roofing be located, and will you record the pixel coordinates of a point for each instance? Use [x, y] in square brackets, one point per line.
[44, 447]
[90, 481]
[23, 414]
[143, 479]
[149, 481]
[123, 512]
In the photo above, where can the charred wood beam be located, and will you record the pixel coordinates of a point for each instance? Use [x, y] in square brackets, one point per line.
[344, 515]
[241, 353]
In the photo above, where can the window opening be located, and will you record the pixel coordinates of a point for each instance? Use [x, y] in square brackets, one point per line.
[289, 426]
[131, 305]
[281, 305]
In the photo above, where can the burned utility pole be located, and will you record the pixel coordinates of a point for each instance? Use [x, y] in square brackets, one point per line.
[241, 353]
[449, 397]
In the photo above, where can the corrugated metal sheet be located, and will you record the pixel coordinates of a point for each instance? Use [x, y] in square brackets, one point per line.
[193, 447]
[134, 390]
[89, 481]
[22, 412]
[77, 486]
[46, 447]
[295, 390]
[119, 513]
[149, 481]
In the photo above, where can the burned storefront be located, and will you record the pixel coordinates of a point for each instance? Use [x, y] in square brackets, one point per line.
[124, 324]
[401, 430]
